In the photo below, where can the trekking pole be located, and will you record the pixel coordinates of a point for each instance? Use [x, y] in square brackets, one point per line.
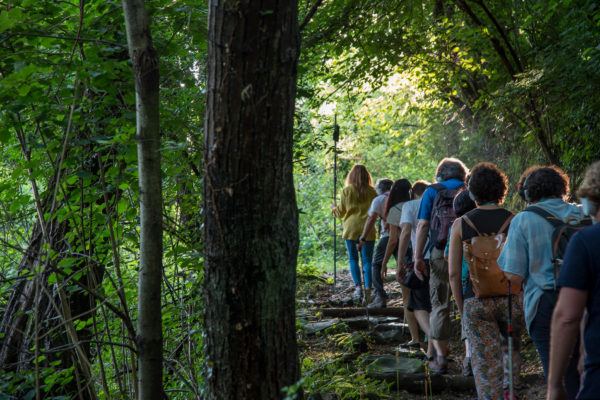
[336, 137]
[510, 345]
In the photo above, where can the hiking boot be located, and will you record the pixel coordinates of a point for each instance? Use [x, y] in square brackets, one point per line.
[439, 365]
[467, 370]
[378, 302]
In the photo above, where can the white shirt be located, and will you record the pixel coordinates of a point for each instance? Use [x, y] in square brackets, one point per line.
[378, 208]
[410, 212]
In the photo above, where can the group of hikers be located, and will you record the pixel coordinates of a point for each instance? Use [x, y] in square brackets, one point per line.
[538, 269]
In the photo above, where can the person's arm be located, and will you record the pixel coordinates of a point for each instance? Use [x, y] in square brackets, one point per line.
[563, 335]
[455, 256]
[339, 210]
[369, 225]
[389, 249]
[514, 258]
[402, 248]
[421, 239]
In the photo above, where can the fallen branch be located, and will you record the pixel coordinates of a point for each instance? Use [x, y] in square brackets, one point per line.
[361, 311]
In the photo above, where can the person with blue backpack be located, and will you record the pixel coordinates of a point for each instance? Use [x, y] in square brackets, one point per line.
[529, 256]
[436, 215]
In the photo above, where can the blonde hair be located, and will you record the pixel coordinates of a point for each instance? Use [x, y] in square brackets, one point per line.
[590, 187]
[361, 179]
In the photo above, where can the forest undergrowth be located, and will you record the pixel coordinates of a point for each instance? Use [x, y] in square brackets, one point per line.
[335, 360]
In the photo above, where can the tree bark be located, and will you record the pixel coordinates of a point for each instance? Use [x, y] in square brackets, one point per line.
[251, 216]
[145, 66]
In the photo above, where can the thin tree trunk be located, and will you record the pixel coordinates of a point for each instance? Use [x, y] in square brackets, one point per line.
[251, 216]
[145, 66]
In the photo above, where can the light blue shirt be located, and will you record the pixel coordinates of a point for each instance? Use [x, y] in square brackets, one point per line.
[528, 251]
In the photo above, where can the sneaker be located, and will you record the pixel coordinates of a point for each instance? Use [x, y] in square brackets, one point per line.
[439, 365]
[411, 345]
[357, 293]
[467, 370]
[378, 302]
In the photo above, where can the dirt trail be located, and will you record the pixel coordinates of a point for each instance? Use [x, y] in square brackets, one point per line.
[317, 299]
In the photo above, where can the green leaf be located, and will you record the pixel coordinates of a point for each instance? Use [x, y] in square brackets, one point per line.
[122, 206]
[66, 262]
[10, 18]
[52, 279]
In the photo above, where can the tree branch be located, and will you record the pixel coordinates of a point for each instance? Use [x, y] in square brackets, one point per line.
[310, 14]
[495, 42]
[503, 35]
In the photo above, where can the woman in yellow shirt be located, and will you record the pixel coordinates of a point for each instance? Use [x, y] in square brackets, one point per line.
[355, 200]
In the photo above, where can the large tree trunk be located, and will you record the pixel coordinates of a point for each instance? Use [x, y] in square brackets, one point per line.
[145, 66]
[251, 217]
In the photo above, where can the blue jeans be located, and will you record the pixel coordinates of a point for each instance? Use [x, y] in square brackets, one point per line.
[366, 255]
[540, 333]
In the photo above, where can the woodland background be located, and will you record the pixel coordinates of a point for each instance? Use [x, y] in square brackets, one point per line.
[516, 83]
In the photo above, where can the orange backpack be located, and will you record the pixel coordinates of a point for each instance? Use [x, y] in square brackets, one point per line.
[481, 254]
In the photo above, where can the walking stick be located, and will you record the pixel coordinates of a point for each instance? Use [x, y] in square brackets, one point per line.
[510, 345]
[336, 137]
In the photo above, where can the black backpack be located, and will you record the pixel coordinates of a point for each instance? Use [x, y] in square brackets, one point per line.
[442, 214]
[561, 234]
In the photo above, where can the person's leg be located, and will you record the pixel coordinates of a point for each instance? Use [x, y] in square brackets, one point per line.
[353, 259]
[367, 257]
[413, 326]
[540, 334]
[483, 334]
[466, 363]
[439, 289]
[377, 265]
[422, 317]
[420, 303]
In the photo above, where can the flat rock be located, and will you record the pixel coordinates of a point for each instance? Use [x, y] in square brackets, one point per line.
[313, 327]
[390, 326]
[385, 365]
[409, 374]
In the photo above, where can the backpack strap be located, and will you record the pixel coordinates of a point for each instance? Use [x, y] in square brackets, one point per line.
[505, 224]
[501, 230]
[551, 218]
[471, 224]
[438, 186]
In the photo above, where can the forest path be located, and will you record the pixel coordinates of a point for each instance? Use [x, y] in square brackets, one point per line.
[340, 338]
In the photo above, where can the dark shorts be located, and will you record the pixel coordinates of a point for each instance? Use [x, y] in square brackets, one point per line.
[419, 298]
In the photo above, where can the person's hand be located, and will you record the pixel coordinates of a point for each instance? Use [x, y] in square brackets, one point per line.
[420, 269]
[360, 243]
[400, 273]
[383, 270]
[556, 393]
